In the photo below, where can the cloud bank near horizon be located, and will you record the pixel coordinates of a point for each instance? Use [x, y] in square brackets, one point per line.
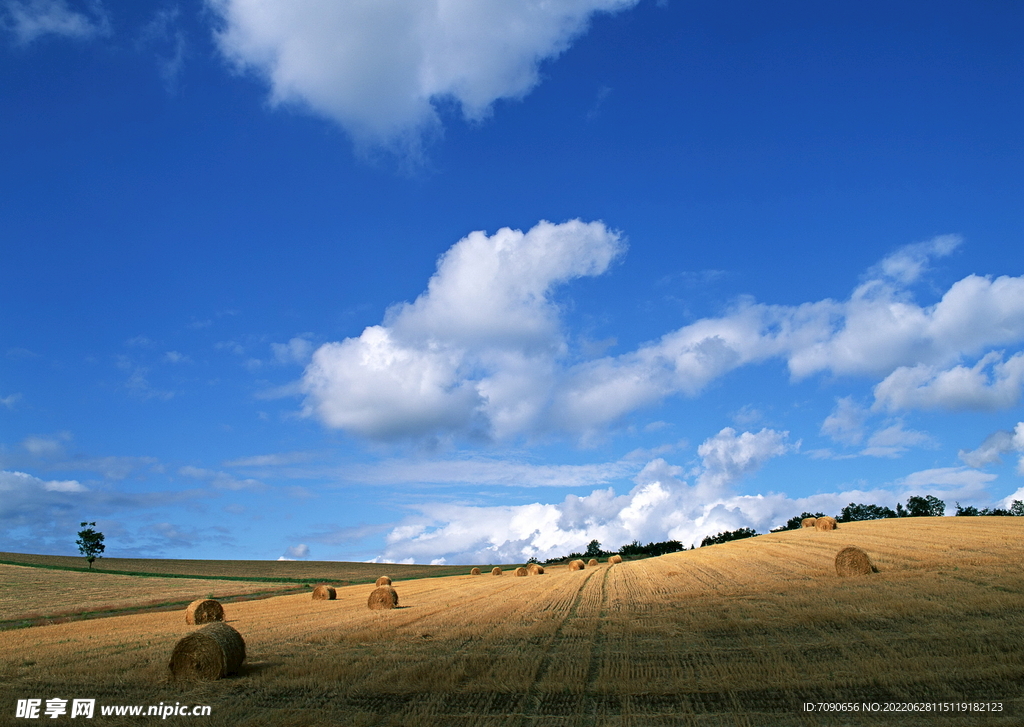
[666, 503]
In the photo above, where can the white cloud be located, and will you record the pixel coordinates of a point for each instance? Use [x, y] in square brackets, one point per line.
[990, 384]
[46, 446]
[997, 443]
[477, 352]
[176, 357]
[483, 353]
[907, 264]
[30, 19]
[9, 401]
[296, 552]
[727, 457]
[661, 506]
[380, 69]
[297, 351]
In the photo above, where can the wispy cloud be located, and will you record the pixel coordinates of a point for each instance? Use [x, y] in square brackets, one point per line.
[29, 20]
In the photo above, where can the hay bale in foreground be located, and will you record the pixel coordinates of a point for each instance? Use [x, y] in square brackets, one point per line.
[592, 562]
[495, 571]
[576, 565]
[852, 561]
[475, 572]
[615, 559]
[382, 597]
[535, 569]
[808, 522]
[204, 611]
[825, 523]
[383, 581]
[324, 593]
[212, 652]
[521, 572]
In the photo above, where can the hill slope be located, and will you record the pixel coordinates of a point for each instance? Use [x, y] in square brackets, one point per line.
[741, 633]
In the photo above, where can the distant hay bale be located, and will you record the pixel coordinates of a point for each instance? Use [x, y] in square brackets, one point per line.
[495, 571]
[324, 593]
[592, 562]
[825, 523]
[852, 561]
[808, 522]
[204, 611]
[521, 572]
[383, 581]
[212, 652]
[382, 597]
[615, 559]
[535, 569]
[475, 572]
[576, 565]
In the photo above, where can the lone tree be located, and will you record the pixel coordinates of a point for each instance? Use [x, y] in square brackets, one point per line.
[90, 542]
[593, 549]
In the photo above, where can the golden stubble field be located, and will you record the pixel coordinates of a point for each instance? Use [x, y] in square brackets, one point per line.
[737, 634]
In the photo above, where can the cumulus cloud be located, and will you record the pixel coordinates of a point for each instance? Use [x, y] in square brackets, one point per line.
[31, 19]
[662, 505]
[989, 384]
[483, 351]
[477, 352]
[381, 69]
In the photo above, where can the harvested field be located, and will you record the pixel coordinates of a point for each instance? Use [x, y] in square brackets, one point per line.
[741, 633]
[33, 593]
[306, 571]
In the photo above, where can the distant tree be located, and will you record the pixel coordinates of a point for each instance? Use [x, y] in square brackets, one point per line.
[728, 535]
[593, 549]
[532, 559]
[1017, 508]
[929, 506]
[633, 548]
[854, 512]
[794, 522]
[90, 542]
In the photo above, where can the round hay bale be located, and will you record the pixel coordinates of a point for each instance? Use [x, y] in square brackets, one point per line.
[212, 652]
[576, 565]
[615, 559]
[324, 593]
[475, 572]
[383, 581]
[204, 611]
[808, 522]
[495, 571]
[521, 572]
[382, 597]
[825, 523]
[591, 563]
[535, 569]
[852, 561]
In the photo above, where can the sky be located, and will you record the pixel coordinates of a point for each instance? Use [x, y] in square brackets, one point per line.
[469, 281]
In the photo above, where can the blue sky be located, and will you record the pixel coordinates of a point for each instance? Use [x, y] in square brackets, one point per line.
[476, 281]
